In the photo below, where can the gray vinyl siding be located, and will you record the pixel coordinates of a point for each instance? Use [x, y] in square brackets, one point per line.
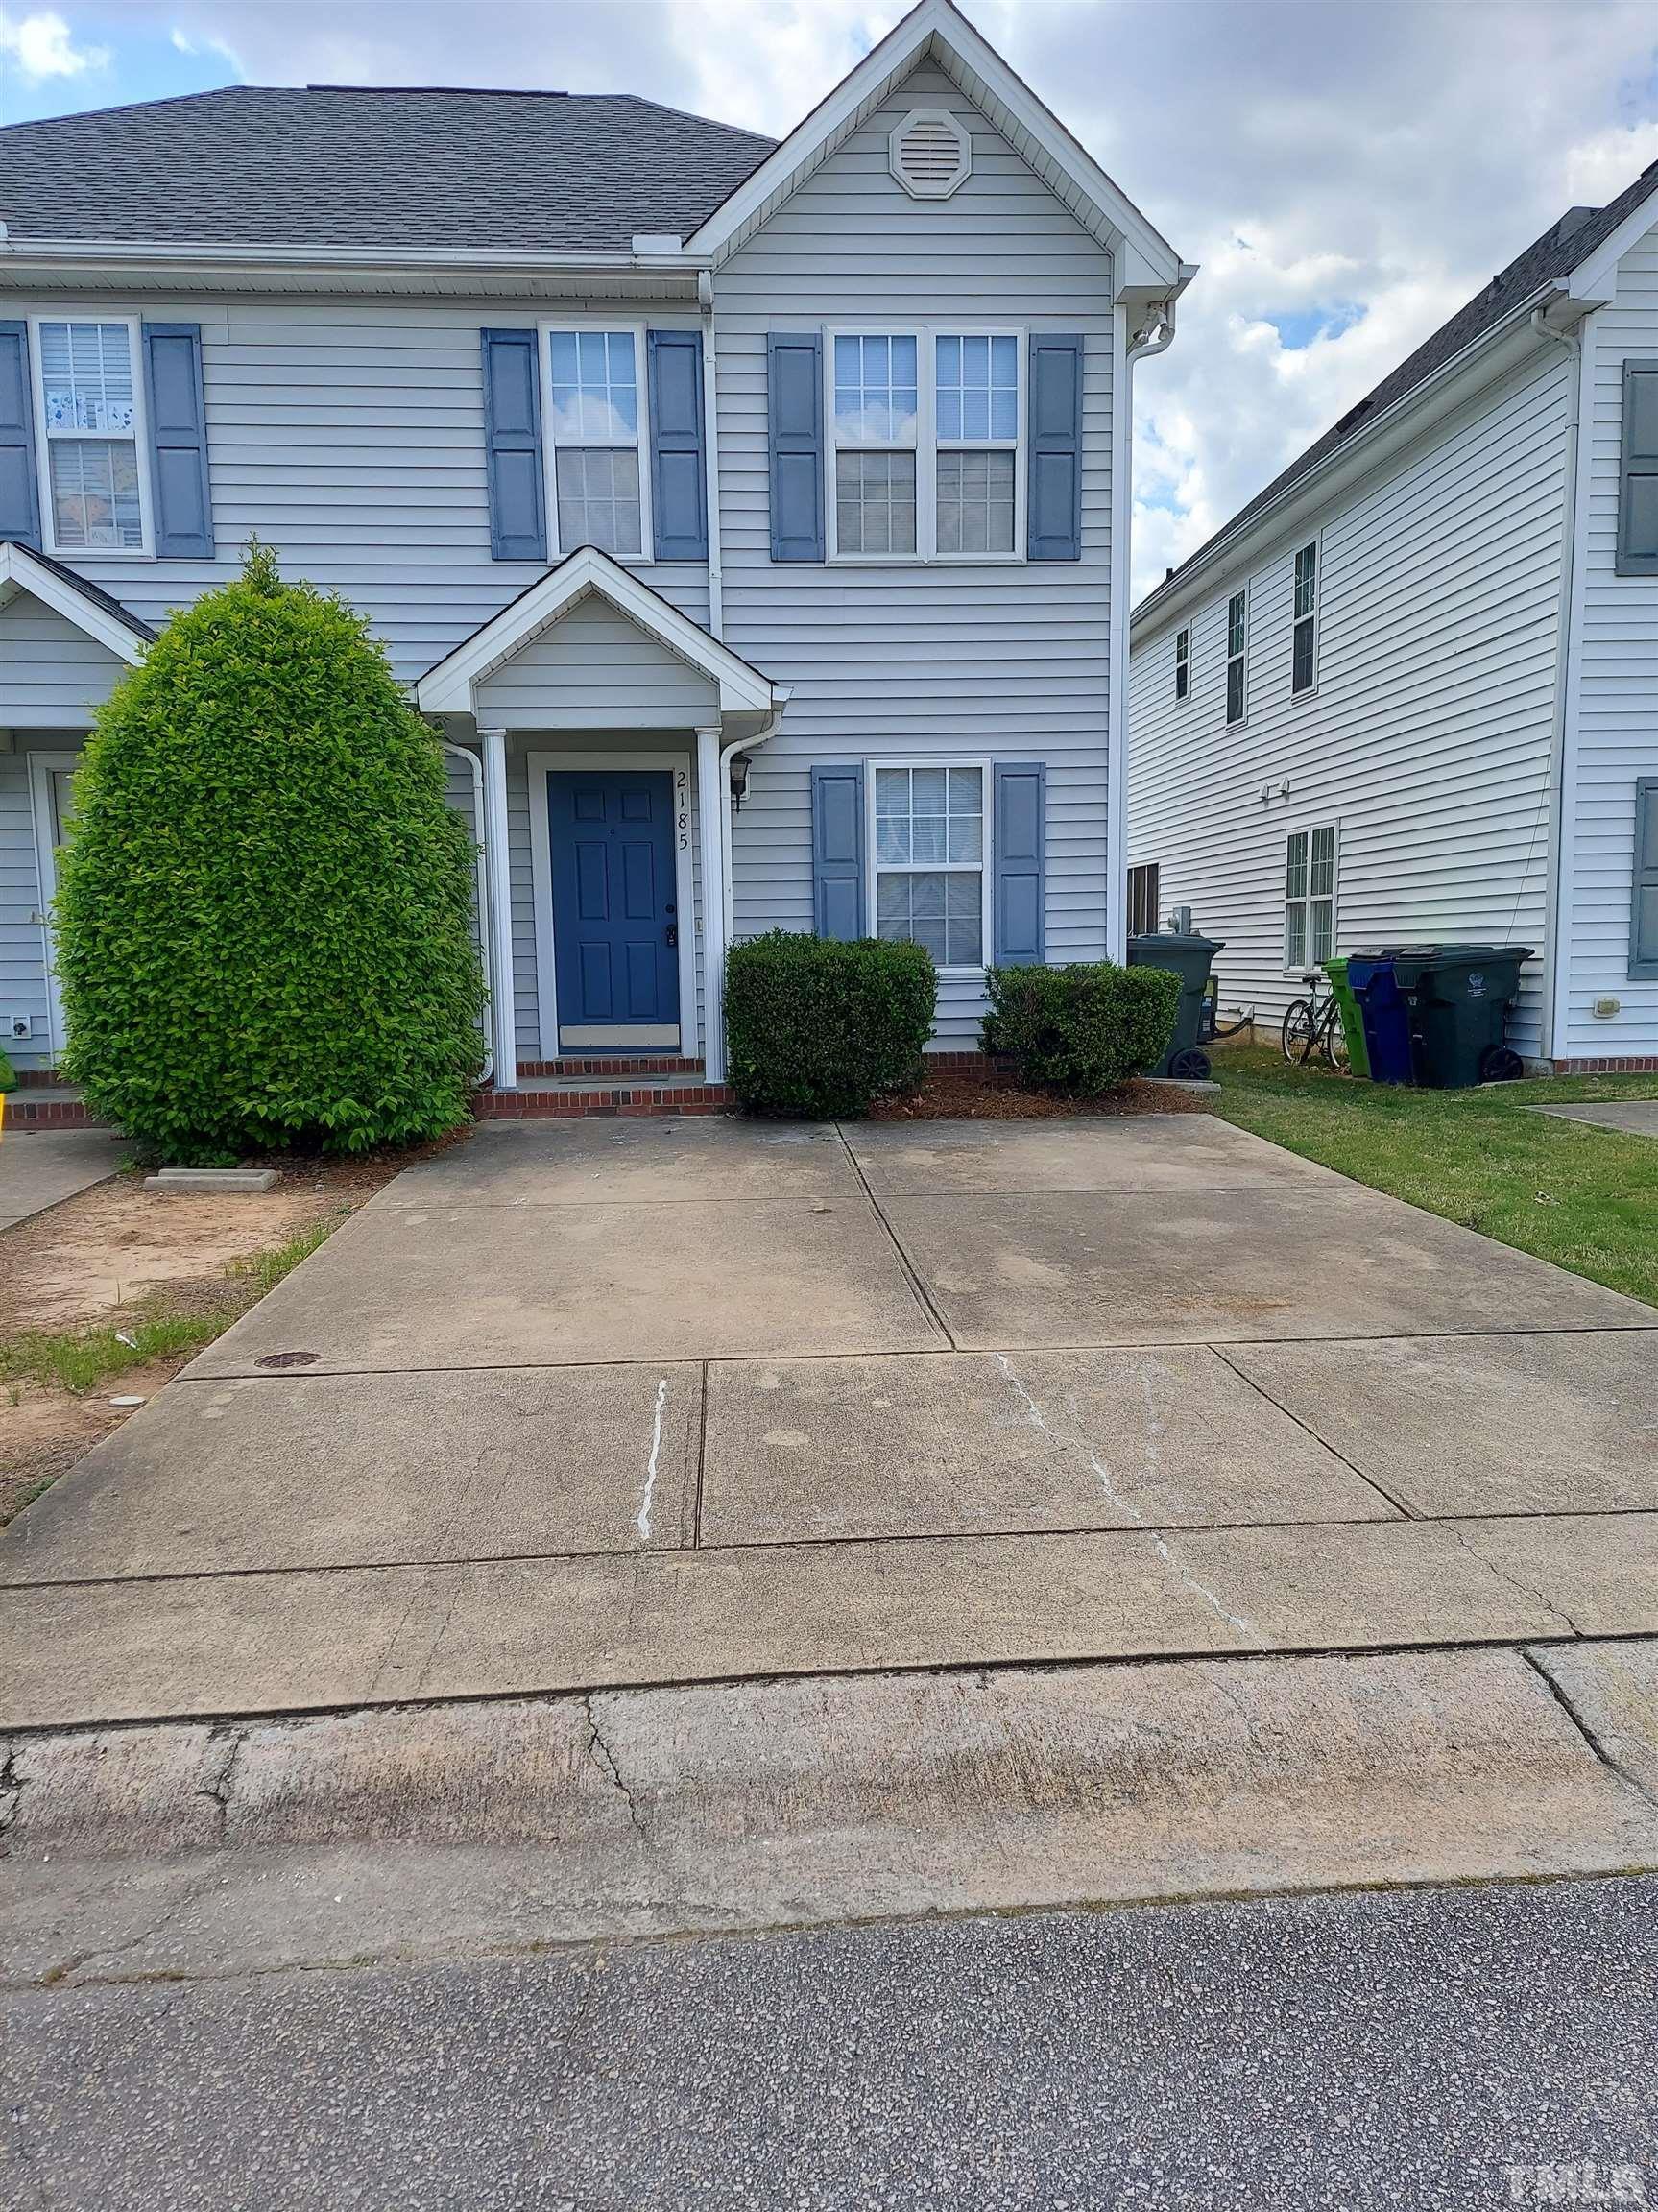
[23, 939]
[51, 674]
[994, 661]
[1428, 739]
[598, 664]
[1617, 697]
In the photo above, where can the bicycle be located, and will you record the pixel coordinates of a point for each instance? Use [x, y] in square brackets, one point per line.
[1313, 1025]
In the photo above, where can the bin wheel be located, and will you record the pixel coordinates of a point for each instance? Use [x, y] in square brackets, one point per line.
[1190, 1066]
[1499, 1065]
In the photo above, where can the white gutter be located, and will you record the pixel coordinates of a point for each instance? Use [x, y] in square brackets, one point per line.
[241, 254]
[475, 768]
[1563, 745]
[1124, 357]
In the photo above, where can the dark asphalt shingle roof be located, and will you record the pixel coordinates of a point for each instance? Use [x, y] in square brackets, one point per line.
[1556, 254]
[410, 168]
[96, 593]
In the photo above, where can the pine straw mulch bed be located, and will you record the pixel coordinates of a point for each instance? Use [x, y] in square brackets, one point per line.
[961, 1095]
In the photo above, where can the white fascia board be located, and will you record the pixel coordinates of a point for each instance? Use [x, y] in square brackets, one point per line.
[20, 571]
[1487, 358]
[1596, 279]
[448, 689]
[938, 31]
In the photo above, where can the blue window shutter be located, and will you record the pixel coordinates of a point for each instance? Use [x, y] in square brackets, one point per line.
[512, 445]
[837, 851]
[1055, 405]
[795, 414]
[178, 439]
[1021, 832]
[679, 484]
[19, 500]
[1644, 902]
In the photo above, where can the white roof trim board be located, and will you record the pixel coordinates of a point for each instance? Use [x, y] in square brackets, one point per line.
[449, 688]
[938, 32]
[21, 571]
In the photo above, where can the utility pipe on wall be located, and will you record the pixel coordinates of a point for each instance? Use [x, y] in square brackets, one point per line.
[1562, 766]
[476, 769]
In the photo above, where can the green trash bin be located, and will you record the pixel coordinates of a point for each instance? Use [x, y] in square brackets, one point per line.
[1189, 958]
[1460, 996]
[1352, 1016]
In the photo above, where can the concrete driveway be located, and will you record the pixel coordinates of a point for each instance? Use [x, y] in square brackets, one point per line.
[585, 1405]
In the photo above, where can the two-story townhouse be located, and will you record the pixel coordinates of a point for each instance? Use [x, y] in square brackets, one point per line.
[1410, 692]
[745, 516]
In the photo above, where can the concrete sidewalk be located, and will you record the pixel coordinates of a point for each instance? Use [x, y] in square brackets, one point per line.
[578, 1406]
[41, 1168]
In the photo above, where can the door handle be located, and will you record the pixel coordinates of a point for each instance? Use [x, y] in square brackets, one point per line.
[673, 934]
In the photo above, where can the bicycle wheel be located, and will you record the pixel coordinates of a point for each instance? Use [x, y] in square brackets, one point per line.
[1296, 1034]
[1334, 1041]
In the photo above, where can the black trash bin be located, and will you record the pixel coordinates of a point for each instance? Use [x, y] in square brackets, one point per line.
[1189, 958]
[1460, 996]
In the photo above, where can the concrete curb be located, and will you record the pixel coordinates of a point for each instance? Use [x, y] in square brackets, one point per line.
[427, 1831]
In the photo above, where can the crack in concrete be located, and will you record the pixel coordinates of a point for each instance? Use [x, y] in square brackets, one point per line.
[13, 1784]
[1511, 1581]
[605, 1760]
[1177, 1567]
[1562, 1698]
[218, 1790]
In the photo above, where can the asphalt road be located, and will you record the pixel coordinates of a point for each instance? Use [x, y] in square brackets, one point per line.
[1397, 2050]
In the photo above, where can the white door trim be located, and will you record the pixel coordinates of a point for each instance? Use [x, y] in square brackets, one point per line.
[678, 766]
[42, 767]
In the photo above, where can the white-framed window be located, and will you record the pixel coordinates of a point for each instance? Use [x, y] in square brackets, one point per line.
[1236, 656]
[90, 413]
[929, 835]
[1183, 663]
[1304, 648]
[599, 479]
[927, 437]
[1310, 896]
[1143, 901]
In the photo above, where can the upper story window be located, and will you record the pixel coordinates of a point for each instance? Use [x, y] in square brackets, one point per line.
[928, 432]
[91, 414]
[1183, 663]
[1237, 654]
[1304, 648]
[596, 429]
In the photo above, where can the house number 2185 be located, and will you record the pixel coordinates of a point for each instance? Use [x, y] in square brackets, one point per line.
[682, 802]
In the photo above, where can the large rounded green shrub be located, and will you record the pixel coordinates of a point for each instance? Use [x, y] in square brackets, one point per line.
[264, 925]
[817, 1029]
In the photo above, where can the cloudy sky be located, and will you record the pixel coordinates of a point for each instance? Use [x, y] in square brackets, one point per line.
[1346, 171]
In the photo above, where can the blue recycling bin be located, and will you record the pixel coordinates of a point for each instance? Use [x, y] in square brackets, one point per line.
[1386, 1014]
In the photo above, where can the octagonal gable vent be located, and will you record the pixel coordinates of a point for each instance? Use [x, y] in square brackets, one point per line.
[932, 154]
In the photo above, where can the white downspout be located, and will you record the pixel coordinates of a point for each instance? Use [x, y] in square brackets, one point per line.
[1124, 357]
[496, 855]
[711, 456]
[476, 769]
[1563, 733]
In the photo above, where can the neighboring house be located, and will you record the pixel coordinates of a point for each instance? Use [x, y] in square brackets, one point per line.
[1412, 691]
[743, 514]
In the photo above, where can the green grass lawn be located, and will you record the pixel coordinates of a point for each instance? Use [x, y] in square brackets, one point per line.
[1585, 1198]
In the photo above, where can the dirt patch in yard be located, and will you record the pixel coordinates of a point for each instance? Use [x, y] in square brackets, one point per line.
[959, 1095]
[108, 1295]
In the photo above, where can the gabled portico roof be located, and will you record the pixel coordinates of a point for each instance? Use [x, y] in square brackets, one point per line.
[449, 687]
[102, 618]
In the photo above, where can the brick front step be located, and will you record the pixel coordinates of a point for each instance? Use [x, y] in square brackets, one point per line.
[624, 1064]
[574, 1099]
[59, 1109]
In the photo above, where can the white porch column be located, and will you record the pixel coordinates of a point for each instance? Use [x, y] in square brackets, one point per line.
[498, 870]
[711, 824]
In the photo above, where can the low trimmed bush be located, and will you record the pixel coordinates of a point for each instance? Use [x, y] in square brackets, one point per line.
[7, 1075]
[264, 929]
[819, 1029]
[1080, 1029]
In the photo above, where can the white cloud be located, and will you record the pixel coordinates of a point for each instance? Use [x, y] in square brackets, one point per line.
[41, 46]
[1355, 168]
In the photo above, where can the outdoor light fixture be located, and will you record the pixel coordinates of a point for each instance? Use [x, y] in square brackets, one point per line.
[740, 765]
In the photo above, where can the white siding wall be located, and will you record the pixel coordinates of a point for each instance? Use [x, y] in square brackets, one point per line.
[598, 664]
[995, 661]
[1428, 736]
[51, 673]
[1617, 697]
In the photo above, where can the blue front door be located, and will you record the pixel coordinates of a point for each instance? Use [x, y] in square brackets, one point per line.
[615, 927]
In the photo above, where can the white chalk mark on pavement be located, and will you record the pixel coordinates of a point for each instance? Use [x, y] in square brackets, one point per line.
[644, 1521]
